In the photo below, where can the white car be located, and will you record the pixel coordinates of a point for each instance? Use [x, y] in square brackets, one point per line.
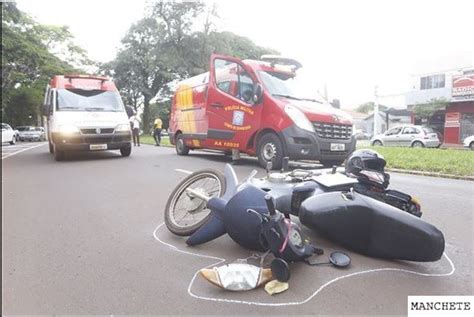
[469, 142]
[8, 134]
[34, 134]
[407, 135]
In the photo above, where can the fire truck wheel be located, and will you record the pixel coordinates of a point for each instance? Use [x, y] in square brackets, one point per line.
[181, 147]
[270, 149]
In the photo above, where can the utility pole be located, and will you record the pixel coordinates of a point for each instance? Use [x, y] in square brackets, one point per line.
[376, 110]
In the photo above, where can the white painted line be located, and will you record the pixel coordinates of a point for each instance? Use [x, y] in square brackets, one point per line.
[183, 171]
[316, 292]
[23, 150]
[16, 146]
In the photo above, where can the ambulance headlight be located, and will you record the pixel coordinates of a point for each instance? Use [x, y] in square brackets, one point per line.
[68, 129]
[122, 128]
[299, 118]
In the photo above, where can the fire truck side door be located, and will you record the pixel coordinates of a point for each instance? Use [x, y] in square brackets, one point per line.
[232, 113]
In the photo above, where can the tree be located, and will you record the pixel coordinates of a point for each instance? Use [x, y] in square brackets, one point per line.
[162, 48]
[368, 107]
[123, 72]
[161, 109]
[29, 60]
[199, 46]
[144, 64]
[25, 110]
[427, 110]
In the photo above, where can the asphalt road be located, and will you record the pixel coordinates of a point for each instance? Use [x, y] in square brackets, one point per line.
[81, 237]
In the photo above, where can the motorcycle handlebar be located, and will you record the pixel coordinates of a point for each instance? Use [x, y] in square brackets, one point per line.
[270, 205]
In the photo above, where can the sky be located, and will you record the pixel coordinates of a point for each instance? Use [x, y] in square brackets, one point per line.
[349, 47]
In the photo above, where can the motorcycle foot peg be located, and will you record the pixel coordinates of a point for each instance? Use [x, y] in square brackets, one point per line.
[280, 270]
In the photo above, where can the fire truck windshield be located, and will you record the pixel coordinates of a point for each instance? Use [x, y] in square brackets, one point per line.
[89, 100]
[286, 86]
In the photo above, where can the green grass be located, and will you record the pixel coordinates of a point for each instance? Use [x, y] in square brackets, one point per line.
[148, 139]
[446, 161]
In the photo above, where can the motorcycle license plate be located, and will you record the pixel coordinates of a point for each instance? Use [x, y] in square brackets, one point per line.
[95, 147]
[338, 147]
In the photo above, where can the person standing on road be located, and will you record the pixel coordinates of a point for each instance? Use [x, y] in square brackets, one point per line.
[136, 130]
[157, 126]
[130, 113]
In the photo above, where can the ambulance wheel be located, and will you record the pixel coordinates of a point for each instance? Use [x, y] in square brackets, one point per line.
[59, 155]
[185, 213]
[181, 147]
[270, 149]
[126, 150]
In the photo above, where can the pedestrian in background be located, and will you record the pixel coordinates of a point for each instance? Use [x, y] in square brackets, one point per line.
[130, 113]
[157, 126]
[136, 130]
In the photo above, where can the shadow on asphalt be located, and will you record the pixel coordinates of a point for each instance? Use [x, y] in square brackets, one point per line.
[81, 156]
[249, 161]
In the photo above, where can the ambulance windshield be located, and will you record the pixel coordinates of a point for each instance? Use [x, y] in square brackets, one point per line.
[89, 100]
[283, 85]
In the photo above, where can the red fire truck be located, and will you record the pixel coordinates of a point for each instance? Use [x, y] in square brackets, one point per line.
[252, 107]
[85, 113]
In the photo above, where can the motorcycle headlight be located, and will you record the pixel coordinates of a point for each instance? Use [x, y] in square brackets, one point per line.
[68, 129]
[122, 128]
[299, 118]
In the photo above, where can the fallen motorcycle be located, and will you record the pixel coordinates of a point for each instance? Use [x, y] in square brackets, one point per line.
[327, 203]
[185, 213]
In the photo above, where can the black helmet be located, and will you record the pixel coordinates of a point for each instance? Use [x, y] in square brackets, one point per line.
[363, 164]
[364, 160]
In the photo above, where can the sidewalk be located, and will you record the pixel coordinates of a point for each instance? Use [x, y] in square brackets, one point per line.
[453, 146]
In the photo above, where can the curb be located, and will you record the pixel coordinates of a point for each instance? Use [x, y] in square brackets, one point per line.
[412, 172]
[432, 174]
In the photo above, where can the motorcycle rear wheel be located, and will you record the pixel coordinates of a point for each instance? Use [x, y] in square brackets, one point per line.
[185, 214]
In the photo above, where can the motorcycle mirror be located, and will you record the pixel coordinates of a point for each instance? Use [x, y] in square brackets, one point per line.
[339, 259]
[280, 270]
[336, 258]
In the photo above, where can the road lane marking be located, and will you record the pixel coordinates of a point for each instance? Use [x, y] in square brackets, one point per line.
[183, 171]
[316, 292]
[22, 150]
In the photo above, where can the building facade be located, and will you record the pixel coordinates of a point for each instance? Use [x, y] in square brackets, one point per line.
[387, 119]
[456, 87]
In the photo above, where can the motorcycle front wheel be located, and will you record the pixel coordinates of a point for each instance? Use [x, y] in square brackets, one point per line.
[185, 213]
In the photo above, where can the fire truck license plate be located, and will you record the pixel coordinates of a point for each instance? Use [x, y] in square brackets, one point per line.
[338, 147]
[95, 147]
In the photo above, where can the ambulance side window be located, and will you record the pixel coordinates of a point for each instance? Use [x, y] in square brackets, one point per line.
[232, 79]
